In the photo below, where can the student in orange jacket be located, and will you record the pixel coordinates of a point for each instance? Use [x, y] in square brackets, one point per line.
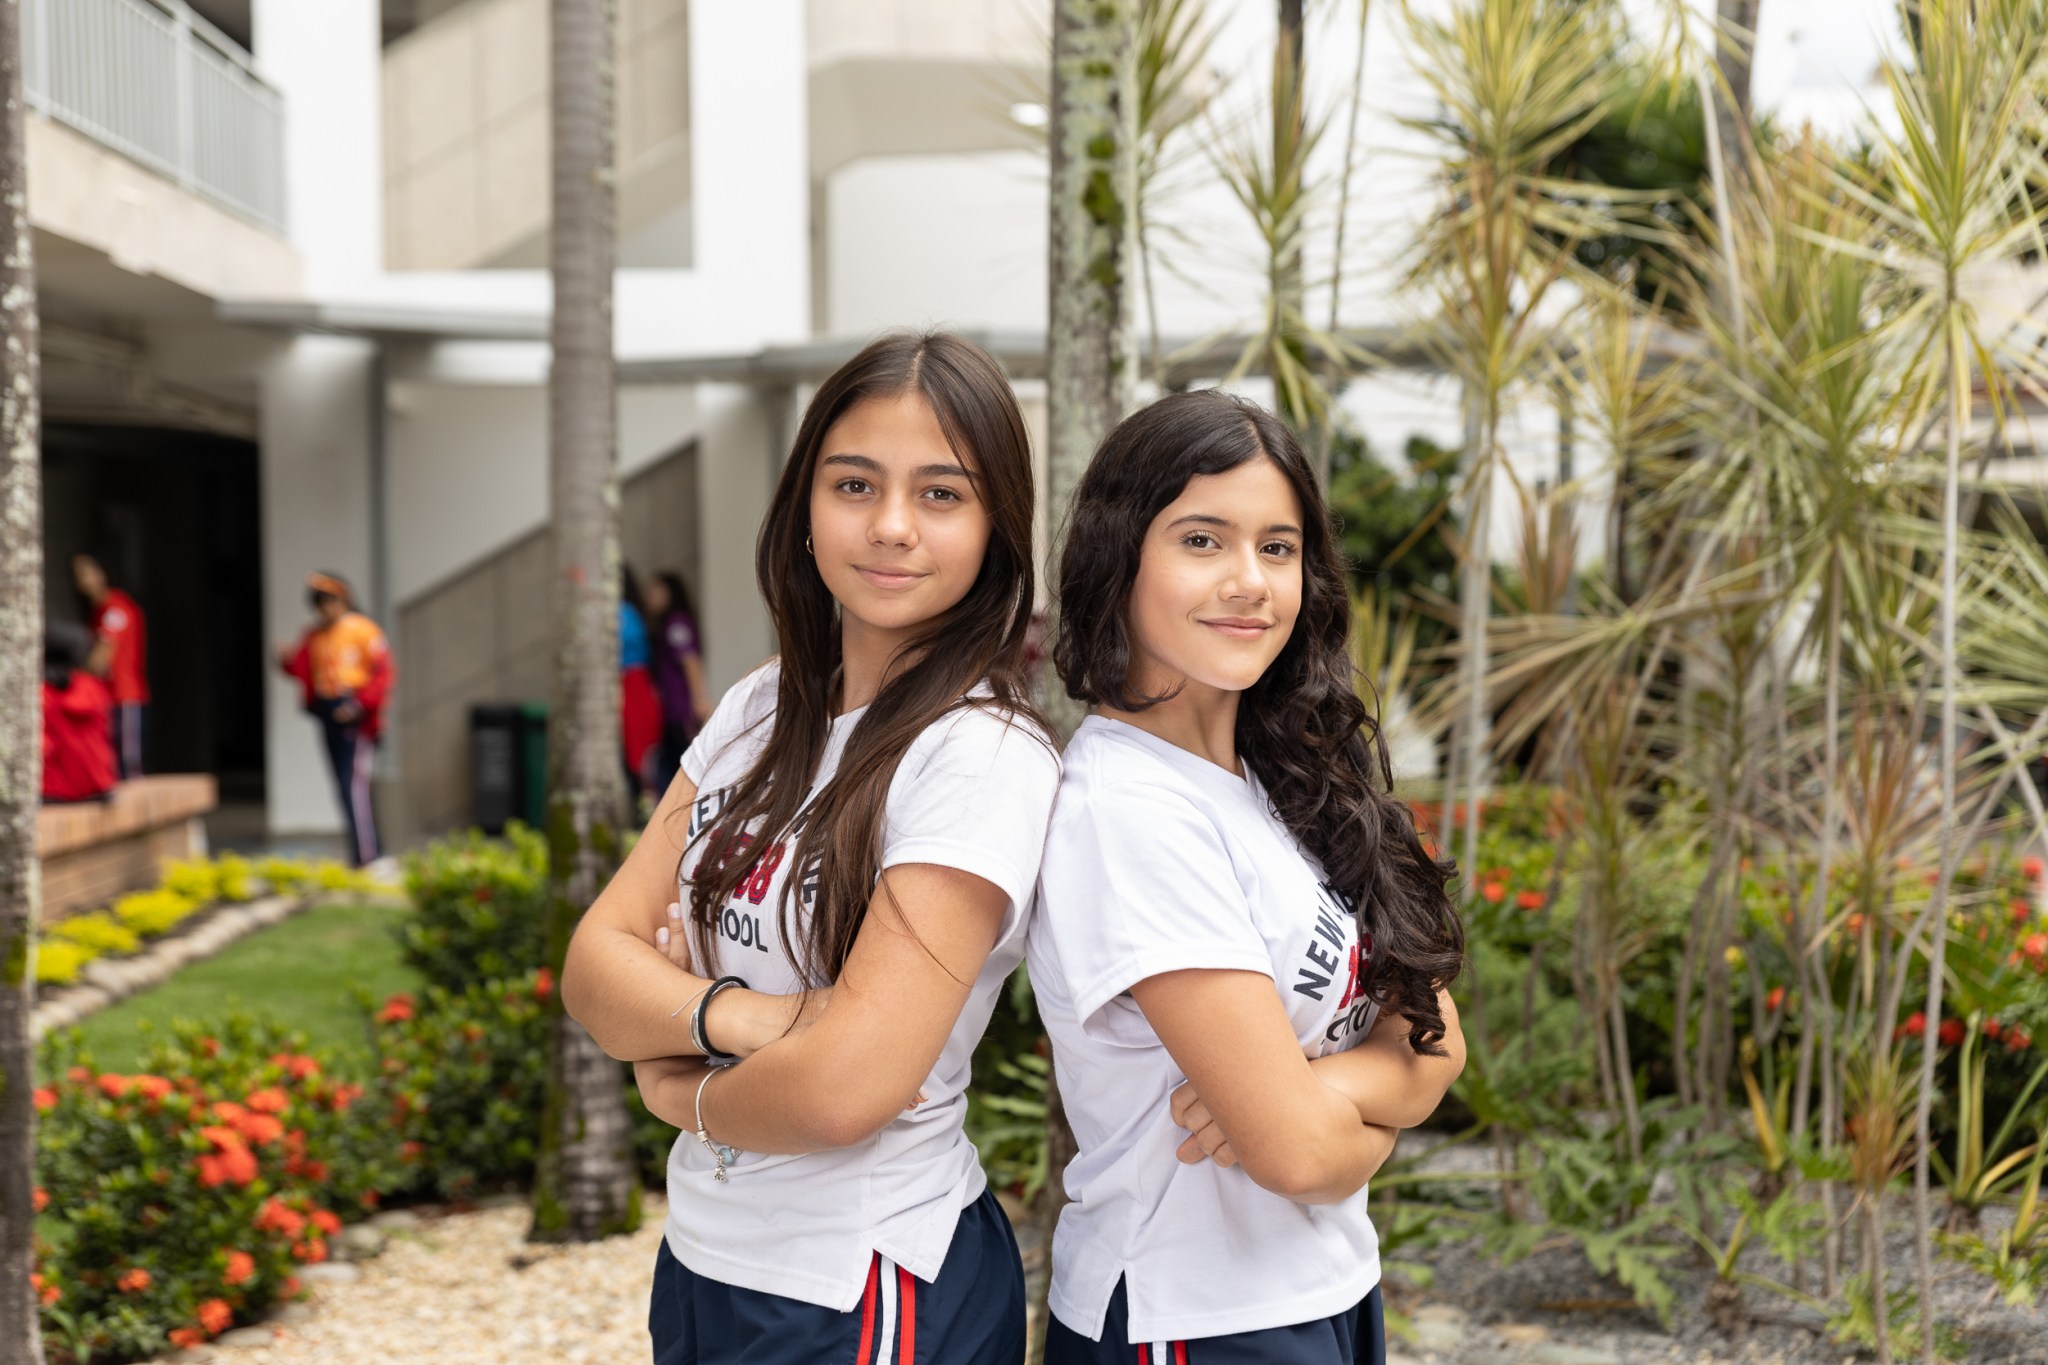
[345, 673]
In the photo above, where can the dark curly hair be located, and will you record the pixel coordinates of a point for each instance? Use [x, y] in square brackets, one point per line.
[1302, 727]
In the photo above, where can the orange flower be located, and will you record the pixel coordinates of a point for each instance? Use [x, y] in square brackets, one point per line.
[227, 1111]
[1493, 891]
[344, 1096]
[215, 1316]
[2031, 868]
[237, 1165]
[152, 1087]
[41, 1199]
[113, 1086]
[2036, 946]
[290, 1288]
[45, 1100]
[312, 1251]
[241, 1268]
[296, 1065]
[261, 1128]
[270, 1101]
[209, 1047]
[1530, 900]
[187, 1337]
[224, 1139]
[78, 1075]
[396, 1010]
[47, 1292]
[326, 1222]
[543, 983]
[277, 1217]
[134, 1282]
[1775, 999]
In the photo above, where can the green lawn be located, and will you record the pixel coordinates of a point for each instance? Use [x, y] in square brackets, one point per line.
[302, 973]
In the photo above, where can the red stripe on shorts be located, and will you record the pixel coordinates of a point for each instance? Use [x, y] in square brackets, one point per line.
[867, 1311]
[906, 1316]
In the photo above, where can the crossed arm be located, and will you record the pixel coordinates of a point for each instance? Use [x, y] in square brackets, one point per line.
[813, 1077]
[1312, 1131]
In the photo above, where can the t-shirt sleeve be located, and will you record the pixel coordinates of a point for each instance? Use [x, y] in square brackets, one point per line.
[729, 720]
[975, 793]
[1136, 883]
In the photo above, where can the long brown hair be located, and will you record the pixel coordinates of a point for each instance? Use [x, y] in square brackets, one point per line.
[1302, 728]
[983, 637]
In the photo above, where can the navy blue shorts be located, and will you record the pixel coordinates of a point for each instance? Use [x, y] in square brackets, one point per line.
[972, 1315]
[1355, 1337]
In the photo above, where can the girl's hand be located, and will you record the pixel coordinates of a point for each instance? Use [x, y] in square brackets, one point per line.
[1204, 1138]
[747, 1020]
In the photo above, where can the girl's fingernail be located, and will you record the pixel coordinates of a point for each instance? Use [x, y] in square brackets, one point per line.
[675, 911]
[661, 937]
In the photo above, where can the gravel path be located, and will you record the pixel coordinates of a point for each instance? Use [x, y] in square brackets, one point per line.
[468, 1289]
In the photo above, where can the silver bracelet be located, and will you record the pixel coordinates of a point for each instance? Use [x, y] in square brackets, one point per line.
[691, 1001]
[722, 1155]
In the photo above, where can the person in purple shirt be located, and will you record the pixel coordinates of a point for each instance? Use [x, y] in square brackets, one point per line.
[678, 668]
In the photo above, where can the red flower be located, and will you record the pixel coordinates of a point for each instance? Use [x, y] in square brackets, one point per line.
[225, 1139]
[312, 1251]
[227, 1111]
[134, 1282]
[2035, 946]
[241, 1268]
[396, 1010]
[2032, 867]
[210, 1047]
[1952, 1031]
[234, 1165]
[112, 1086]
[1530, 900]
[411, 1151]
[187, 1337]
[326, 1222]
[1493, 891]
[1855, 923]
[41, 1198]
[261, 1128]
[277, 1217]
[1992, 1028]
[271, 1101]
[46, 1100]
[152, 1087]
[2016, 1040]
[1914, 1027]
[48, 1293]
[215, 1316]
[290, 1288]
[344, 1096]
[543, 984]
[1775, 999]
[481, 895]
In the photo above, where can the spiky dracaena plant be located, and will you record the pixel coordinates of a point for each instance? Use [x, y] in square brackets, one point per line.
[1518, 81]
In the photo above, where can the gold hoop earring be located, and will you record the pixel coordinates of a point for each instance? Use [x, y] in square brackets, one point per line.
[807, 546]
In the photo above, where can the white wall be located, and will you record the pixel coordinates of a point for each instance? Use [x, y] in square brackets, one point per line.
[326, 59]
[468, 469]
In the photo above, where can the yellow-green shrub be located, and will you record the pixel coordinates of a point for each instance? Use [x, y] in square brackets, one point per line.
[58, 961]
[233, 879]
[98, 931]
[150, 913]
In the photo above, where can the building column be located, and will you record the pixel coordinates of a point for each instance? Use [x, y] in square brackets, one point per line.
[316, 437]
[742, 437]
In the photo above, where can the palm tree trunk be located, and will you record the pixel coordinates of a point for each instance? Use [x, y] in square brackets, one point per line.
[21, 751]
[1734, 47]
[585, 1183]
[1091, 345]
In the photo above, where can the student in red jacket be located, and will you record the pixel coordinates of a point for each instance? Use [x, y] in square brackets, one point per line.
[120, 655]
[345, 672]
[78, 748]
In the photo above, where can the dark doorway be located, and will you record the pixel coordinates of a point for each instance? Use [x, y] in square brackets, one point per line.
[174, 516]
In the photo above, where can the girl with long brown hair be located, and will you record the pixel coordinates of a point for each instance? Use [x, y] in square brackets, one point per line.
[1241, 946]
[851, 846]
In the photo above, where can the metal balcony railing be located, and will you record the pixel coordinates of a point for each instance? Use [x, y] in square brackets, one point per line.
[155, 82]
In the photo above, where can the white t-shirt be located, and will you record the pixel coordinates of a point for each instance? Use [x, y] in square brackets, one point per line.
[1161, 861]
[973, 792]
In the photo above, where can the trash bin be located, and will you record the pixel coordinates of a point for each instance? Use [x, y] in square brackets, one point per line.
[494, 776]
[508, 764]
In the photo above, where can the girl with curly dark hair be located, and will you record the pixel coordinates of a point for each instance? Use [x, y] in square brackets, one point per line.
[1241, 946]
